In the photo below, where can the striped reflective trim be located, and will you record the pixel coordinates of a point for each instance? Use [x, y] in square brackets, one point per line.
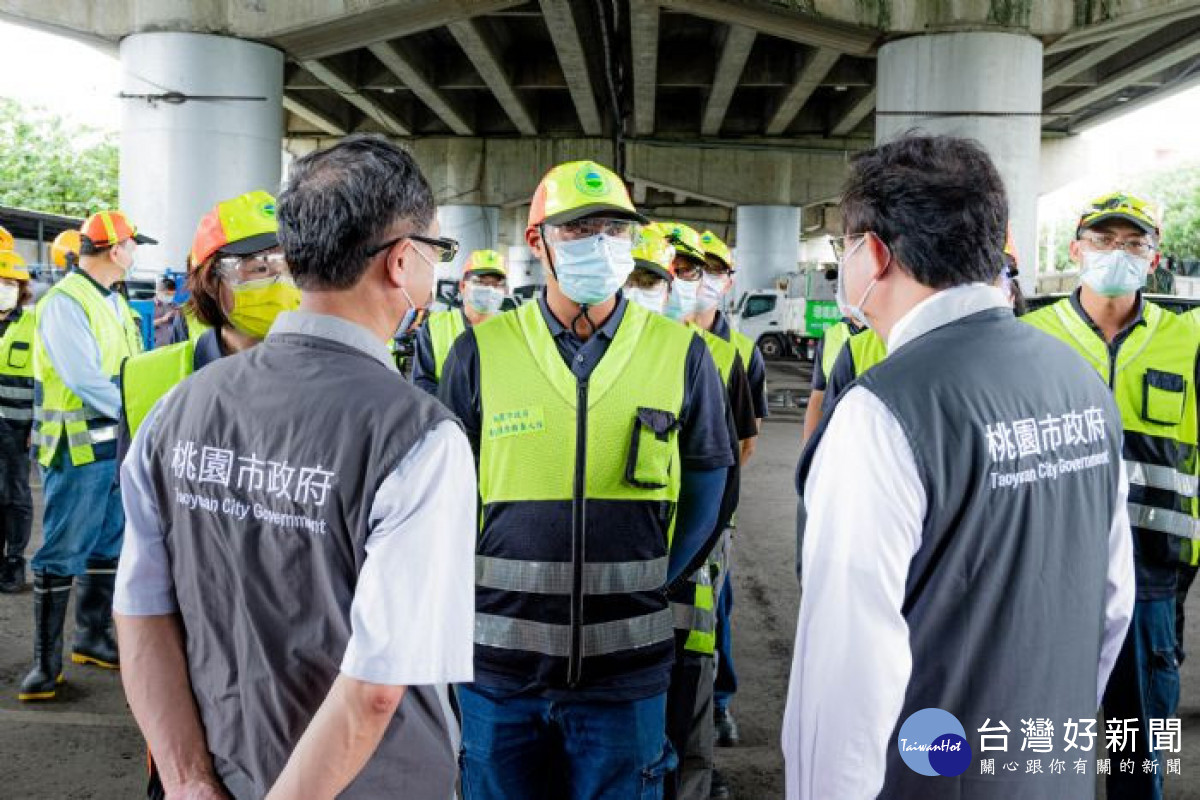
[692, 618]
[1157, 476]
[552, 640]
[74, 415]
[16, 392]
[1164, 520]
[16, 414]
[554, 577]
[87, 438]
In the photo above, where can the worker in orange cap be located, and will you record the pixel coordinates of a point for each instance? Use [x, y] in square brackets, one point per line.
[85, 332]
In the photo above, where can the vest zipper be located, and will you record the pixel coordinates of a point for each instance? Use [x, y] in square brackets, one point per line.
[578, 523]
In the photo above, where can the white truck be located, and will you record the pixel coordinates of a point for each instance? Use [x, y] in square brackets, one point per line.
[786, 321]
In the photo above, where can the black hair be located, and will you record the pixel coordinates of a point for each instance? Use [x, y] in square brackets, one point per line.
[168, 283]
[341, 203]
[937, 202]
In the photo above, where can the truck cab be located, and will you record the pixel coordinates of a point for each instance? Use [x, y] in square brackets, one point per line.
[786, 321]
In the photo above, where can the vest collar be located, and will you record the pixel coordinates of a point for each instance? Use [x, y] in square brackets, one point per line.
[720, 327]
[948, 305]
[104, 292]
[336, 329]
[608, 330]
[1138, 319]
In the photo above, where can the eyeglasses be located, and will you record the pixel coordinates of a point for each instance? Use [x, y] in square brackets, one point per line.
[687, 270]
[593, 226]
[841, 244]
[644, 279]
[716, 269]
[257, 267]
[445, 247]
[1106, 242]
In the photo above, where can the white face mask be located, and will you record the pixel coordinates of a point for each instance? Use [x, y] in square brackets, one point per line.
[683, 298]
[484, 299]
[166, 297]
[855, 311]
[710, 291]
[591, 270]
[8, 297]
[649, 299]
[1114, 273]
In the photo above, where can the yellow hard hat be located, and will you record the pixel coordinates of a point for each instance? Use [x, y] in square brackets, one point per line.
[654, 253]
[580, 189]
[12, 266]
[239, 226]
[486, 262]
[66, 242]
[686, 240]
[713, 246]
[6, 239]
[1122, 206]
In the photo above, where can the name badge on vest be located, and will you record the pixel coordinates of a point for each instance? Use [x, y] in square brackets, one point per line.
[518, 422]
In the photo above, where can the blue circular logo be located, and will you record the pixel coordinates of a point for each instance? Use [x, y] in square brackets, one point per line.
[933, 742]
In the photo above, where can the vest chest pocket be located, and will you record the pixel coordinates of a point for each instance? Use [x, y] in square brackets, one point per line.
[652, 449]
[18, 355]
[1163, 396]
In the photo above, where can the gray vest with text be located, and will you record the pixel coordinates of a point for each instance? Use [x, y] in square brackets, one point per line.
[1017, 444]
[265, 467]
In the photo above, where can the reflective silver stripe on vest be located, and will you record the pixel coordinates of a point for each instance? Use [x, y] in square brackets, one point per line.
[90, 437]
[1164, 520]
[75, 415]
[693, 618]
[554, 577]
[16, 392]
[1156, 476]
[16, 414]
[552, 640]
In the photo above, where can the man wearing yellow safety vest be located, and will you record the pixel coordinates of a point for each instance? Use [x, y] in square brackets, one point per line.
[603, 454]
[16, 417]
[238, 282]
[85, 331]
[1149, 358]
[693, 602]
[483, 289]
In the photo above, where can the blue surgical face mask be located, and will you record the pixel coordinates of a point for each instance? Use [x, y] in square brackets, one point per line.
[683, 299]
[484, 299]
[853, 311]
[1114, 273]
[591, 270]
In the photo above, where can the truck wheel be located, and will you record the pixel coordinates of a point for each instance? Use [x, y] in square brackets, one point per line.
[771, 347]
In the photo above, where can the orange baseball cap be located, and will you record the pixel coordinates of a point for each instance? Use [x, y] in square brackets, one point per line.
[107, 228]
[239, 226]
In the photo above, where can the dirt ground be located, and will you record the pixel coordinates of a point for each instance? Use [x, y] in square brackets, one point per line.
[86, 746]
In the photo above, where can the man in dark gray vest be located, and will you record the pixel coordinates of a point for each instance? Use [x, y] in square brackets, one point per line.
[297, 582]
[967, 548]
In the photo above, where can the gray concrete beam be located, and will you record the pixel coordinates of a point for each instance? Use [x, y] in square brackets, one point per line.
[643, 27]
[403, 68]
[483, 53]
[1090, 57]
[855, 113]
[332, 28]
[734, 52]
[782, 23]
[820, 62]
[1133, 105]
[560, 21]
[314, 116]
[340, 84]
[1131, 22]
[1185, 48]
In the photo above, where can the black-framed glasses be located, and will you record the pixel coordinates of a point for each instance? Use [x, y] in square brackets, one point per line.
[445, 247]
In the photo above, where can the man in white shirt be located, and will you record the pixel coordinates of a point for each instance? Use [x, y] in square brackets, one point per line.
[967, 545]
[297, 510]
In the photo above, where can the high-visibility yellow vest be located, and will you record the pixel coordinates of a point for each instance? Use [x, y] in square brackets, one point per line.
[146, 378]
[59, 413]
[836, 337]
[444, 329]
[16, 369]
[579, 481]
[723, 353]
[867, 350]
[1152, 377]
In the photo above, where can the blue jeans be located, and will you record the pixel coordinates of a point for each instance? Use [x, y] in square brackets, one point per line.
[529, 748]
[1144, 685]
[726, 683]
[83, 521]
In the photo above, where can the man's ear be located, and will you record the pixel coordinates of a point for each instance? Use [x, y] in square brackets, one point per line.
[1075, 251]
[533, 238]
[393, 262]
[881, 256]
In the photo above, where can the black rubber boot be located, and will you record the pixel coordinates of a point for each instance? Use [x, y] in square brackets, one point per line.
[726, 728]
[12, 575]
[51, 594]
[94, 640]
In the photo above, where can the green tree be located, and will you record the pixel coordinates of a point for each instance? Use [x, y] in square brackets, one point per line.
[48, 164]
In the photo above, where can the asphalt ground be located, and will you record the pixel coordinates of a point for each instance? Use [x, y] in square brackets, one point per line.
[86, 745]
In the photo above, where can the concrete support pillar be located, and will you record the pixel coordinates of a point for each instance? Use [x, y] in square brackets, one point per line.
[178, 158]
[982, 75]
[767, 246]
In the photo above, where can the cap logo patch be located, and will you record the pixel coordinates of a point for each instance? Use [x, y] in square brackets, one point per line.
[591, 182]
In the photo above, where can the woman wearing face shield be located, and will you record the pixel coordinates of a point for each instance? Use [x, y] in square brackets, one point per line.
[483, 289]
[239, 283]
[16, 418]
